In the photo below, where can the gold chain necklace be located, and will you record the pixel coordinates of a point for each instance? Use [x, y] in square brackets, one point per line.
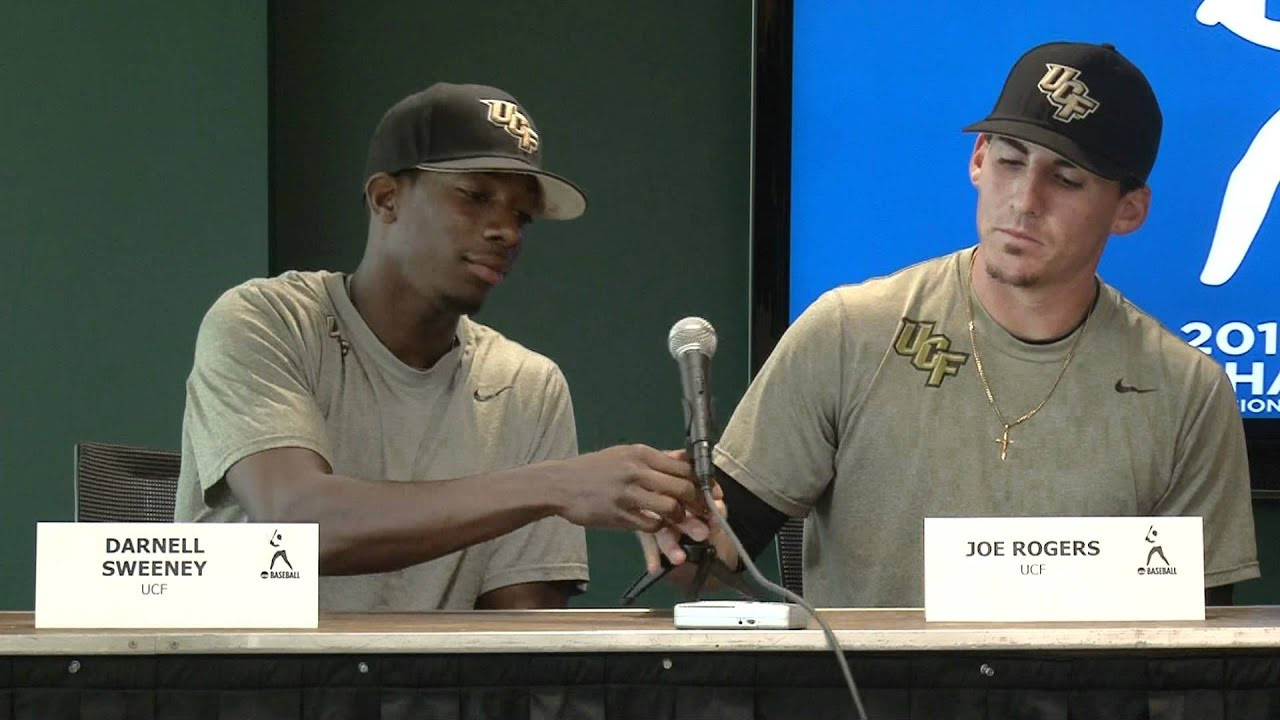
[1004, 440]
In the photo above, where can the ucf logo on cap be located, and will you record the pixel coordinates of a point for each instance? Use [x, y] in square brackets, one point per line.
[1061, 84]
[506, 115]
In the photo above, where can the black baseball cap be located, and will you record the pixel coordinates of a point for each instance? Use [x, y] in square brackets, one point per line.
[469, 128]
[1086, 102]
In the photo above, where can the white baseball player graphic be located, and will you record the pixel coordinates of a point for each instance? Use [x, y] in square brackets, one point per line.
[1253, 182]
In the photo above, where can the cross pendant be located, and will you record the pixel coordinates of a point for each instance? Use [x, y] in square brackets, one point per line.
[1004, 442]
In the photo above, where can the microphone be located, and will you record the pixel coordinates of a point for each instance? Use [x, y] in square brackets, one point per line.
[692, 342]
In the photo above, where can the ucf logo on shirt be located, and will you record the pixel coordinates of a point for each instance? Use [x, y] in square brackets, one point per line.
[929, 352]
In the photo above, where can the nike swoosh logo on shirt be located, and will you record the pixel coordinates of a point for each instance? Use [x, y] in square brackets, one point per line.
[1122, 388]
[483, 397]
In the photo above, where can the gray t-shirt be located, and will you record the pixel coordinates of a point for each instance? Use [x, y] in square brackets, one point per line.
[289, 362]
[869, 416]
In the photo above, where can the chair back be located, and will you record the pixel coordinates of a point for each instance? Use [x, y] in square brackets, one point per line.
[120, 483]
[791, 555]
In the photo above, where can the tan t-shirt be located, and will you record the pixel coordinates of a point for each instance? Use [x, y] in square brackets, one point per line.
[869, 417]
[289, 362]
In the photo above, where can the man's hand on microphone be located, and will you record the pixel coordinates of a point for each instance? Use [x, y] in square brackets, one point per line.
[631, 487]
[666, 540]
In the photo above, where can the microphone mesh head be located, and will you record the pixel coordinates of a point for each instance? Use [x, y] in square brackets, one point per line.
[692, 334]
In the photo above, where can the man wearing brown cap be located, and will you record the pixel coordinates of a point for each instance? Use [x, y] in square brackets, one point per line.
[1004, 379]
[438, 457]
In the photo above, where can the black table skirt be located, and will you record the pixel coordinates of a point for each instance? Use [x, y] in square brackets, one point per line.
[691, 686]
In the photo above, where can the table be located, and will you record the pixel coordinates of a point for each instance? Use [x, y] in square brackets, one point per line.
[634, 664]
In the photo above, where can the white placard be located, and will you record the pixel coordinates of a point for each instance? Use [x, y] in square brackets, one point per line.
[1063, 569]
[176, 575]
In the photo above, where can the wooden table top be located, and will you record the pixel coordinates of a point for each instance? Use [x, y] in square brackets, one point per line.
[627, 630]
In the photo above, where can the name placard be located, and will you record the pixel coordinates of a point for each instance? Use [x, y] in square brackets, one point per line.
[176, 575]
[1063, 569]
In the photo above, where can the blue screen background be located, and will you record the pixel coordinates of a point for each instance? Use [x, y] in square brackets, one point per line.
[880, 167]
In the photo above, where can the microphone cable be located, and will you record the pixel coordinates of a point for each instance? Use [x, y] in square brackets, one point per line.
[765, 583]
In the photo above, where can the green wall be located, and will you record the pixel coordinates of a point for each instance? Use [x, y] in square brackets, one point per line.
[134, 176]
[646, 105]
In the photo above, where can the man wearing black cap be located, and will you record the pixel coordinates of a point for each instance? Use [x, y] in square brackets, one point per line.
[1001, 380]
[437, 456]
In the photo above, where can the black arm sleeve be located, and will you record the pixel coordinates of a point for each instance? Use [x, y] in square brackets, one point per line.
[753, 520]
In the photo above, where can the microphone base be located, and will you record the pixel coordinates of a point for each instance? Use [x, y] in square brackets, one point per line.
[703, 555]
[740, 615]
